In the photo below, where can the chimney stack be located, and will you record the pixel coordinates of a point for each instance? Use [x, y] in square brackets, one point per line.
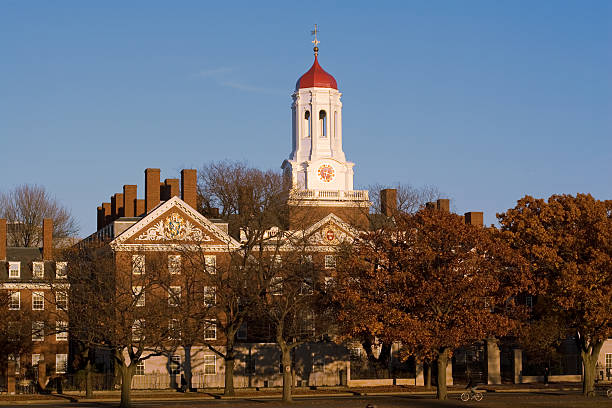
[388, 201]
[100, 222]
[172, 188]
[2, 239]
[151, 189]
[119, 210]
[474, 218]
[430, 205]
[140, 207]
[113, 211]
[106, 207]
[443, 204]
[47, 239]
[189, 187]
[129, 200]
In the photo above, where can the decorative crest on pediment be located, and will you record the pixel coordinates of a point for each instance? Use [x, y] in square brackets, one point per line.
[174, 228]
[330, 234]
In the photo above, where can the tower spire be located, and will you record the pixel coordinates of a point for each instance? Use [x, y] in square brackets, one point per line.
[315, 41]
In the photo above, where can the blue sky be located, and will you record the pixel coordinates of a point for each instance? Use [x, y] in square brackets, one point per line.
[488, 101]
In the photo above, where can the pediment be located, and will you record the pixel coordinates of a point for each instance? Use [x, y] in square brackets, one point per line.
[331, 231]
[173, 224]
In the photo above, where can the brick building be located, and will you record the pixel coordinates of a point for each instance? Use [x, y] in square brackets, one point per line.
[36, 319]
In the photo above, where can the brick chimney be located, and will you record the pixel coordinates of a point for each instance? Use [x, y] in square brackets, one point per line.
[119, 210]
[172, 188]
[140, 207]
[189, 187]
[443, 204]
[151, 189]
[47, 239]
[2, 239]
[100, 223]
[474, 218]
[430, 205]
[388, 201]
[106, 207]
[113, 212]
[129, 200]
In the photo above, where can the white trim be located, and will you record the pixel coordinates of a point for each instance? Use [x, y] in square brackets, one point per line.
[36, 265]
[14, 263]
[25, 285]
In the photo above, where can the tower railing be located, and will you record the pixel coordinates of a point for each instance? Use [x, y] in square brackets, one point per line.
[332, 195]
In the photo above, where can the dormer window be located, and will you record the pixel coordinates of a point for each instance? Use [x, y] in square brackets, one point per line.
[38, 270]
[14, 270]
[323, 123]
[60, 270]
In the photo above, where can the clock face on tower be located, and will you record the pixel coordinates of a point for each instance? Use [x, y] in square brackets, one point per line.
[326, 173]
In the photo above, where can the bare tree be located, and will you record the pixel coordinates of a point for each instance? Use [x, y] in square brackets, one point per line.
[25, 207]
[409, 198]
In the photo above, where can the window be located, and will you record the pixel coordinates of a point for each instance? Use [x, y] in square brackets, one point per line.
[210, 296]
[211, 331]
[38, 270]
[306, 287]
[329, 282]
[323, 122]
[210, 364]
[608, 361]
[38, 331]
[307, 123]
[242, 331]
[276, 286]
[174, 264]
[210, 263]
[175, 364]
[249, 365]
[17, 360]
[137, 329]
[174, 295]
[140, 368]
[61, 270]
[529, 301]
[61, 331]
[35, 359]
[38, 301]
[61, 300]
[139, 295]
[138, 264]
[15, 301]
[61, 363]
[14, 270]
[330, 261]
[13, 332]
[318, 363]
[174, 327]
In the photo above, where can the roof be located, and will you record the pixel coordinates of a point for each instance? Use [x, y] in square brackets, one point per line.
[25, 256]
[316, 77]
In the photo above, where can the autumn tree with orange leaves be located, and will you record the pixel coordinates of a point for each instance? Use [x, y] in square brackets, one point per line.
[568, 241]
[432, 282]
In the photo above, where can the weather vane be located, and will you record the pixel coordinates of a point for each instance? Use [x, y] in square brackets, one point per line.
[315, 41]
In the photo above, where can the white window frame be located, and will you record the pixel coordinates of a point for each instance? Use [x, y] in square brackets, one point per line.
[174, 327]
[209, 363]
[61, 300]
[61, 330]
[174, 264]
[38, 300]
[138, 330]
[36, 357]
[174, 295]
[276, 286]
[139, 294]
[138, 264]
[38, 331]
[210, 264]
[61, 270]
[61, 363]
[175, 364]
[38, 270]
[140, 368]
[210, 296]
[14, 266]
[14, 300]
[243, 331]
[330, 261]
[608, 361]
[211, 328]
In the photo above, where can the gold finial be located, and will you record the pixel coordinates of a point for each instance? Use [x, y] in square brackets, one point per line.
[315, 41]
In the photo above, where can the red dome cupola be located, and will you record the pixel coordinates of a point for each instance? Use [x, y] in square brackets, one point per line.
[316, 77]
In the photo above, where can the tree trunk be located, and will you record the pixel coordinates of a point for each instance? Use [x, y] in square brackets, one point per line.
[441, 393]
[187, 369]
[427, 368]
[286, 359]
[589, 361]
[127, 372]
[88, 378]
[229, 374]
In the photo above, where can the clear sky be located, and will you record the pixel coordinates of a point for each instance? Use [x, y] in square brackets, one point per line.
[486, 100]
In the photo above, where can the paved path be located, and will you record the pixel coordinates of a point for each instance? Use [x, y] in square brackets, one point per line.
[492, 400]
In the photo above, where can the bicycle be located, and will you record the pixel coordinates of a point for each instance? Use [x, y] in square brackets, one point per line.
[468, 395]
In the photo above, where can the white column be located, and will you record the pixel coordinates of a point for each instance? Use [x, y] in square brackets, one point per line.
[493, 362]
